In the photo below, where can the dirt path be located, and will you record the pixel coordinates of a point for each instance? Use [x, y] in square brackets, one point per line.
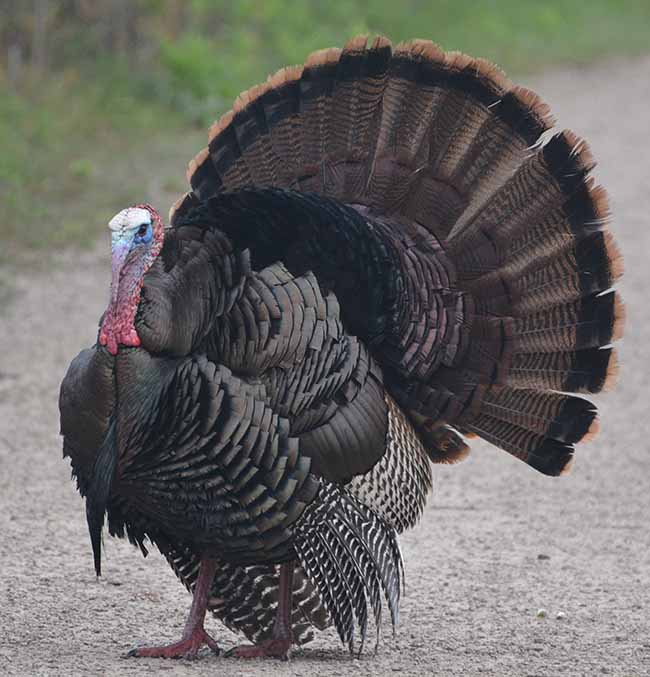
[475, 572]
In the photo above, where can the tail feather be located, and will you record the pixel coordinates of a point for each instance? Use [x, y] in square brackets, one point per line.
[543, 182]
[263, 161]
[403, 127]
[354, 117]
[280, 106]
[583, 371]
[588, 266]
[562, 417]
[547, 455]
[588, 322]
[350, 554]
[582, 268]
[316, 87]
[318, 565]
[455, 135]
[586, 211]
[499, 147]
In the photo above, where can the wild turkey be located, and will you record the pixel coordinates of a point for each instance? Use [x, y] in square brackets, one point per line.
[378, 252]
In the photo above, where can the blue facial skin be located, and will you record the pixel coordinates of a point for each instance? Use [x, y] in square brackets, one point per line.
[122, 243]
[143, 236]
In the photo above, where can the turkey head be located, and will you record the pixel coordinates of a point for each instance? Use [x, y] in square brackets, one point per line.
[137, 235]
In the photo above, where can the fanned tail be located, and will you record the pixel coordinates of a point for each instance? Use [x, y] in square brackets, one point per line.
[502, 259]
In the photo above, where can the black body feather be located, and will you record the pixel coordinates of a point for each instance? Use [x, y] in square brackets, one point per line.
[98, 492]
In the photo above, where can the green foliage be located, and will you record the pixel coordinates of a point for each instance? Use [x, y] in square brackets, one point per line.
[115, 116]
[76, 153]
[192, 64]
[227, 47]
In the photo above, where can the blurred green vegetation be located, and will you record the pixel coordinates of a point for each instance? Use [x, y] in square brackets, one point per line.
[103, 103]
[73, 155]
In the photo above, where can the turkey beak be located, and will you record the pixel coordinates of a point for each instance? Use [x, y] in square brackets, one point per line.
[120, 248]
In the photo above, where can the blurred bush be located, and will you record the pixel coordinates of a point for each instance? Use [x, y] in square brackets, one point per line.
[198, 54]
[90, 89]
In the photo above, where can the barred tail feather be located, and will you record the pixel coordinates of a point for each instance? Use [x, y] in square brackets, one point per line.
[350, 554]
[583, 371]
[396, 487]
[538, 427]
[588, 322]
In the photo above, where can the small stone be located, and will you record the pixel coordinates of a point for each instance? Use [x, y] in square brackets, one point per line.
[560, 615]
[543, 556]
[541, 613]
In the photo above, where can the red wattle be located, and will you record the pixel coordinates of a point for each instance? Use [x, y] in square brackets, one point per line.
[118, 327]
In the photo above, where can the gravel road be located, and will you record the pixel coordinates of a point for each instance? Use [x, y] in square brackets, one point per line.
[498, 542]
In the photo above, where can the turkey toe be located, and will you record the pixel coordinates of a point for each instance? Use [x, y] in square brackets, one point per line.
[186, 648]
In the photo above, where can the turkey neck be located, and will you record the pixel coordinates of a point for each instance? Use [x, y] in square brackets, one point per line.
[126, 287]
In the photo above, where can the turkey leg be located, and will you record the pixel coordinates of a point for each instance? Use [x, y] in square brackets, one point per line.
[280, 643]
[194, 635]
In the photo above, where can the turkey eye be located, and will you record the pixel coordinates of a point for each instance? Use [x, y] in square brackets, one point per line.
[142, 230]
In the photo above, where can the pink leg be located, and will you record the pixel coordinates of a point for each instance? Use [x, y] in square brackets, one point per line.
[194, 636]
[280, 644]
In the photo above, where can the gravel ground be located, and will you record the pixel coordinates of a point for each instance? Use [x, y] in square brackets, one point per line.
[497, 542]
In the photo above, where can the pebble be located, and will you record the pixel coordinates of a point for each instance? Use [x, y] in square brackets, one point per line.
[560, 615]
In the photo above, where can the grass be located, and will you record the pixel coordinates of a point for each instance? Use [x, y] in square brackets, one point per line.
[73, 158]
[520, 35]
[94, 138]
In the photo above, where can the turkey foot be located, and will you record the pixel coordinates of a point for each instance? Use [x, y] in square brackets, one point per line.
[186, 648]
[194, 635]
[279, 645]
